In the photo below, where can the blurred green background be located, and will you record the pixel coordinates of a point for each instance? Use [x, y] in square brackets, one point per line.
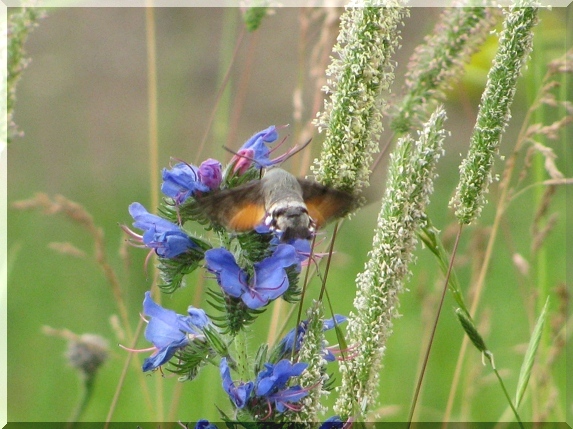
[83, 106]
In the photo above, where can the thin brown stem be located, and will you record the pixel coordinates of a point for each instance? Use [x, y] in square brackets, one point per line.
[434, 327]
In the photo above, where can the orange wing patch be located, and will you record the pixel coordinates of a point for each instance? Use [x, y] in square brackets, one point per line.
[246, 217]
[324, 203]
[327, 206]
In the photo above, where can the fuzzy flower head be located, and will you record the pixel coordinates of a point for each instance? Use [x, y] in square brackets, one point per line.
[515, 44]
[169, 331]
[185, 180]
[164, 237]
[361, 70]
[269, 281]
[411, 173]
[439, 61]
[87, 353]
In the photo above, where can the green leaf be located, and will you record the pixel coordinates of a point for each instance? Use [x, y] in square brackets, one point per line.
[430, 237]
[527, 364]
[254, 16]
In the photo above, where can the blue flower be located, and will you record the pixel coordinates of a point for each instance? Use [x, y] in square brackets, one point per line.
[268, 282]
[169, 331]
[283, 397]
[301, 245]
[166, 238]
[185, 180]
[333, 422]
[255, 150]
[288, 342]
[275, 377]
[204, 424]
[271, 383]
[239, 393]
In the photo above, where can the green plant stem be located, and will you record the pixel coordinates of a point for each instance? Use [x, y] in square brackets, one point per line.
[434, 327]
[242, 356]
[123, 376]
[506, 393]
[86, 395]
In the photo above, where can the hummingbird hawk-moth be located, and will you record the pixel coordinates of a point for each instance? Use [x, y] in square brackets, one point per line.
[286, 204]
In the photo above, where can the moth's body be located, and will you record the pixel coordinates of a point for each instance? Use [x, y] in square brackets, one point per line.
[284, 205]
[295, 207]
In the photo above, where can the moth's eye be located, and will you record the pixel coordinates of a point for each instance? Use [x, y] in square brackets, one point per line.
[279, 212]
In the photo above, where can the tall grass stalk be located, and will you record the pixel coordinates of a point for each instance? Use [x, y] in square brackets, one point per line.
[409, 184]
[439, 61]
[352, 114]
[20, 23]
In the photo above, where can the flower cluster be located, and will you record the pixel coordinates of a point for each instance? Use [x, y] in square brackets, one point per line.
[251, 268]
[269, 391]
[268, 282]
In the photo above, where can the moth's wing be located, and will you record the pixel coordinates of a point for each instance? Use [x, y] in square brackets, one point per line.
[324, 203]
[239, 209]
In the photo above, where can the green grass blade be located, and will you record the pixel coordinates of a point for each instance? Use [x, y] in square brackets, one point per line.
[525, 371]
[430, 237]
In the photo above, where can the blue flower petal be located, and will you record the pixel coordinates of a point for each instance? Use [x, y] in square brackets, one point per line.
[329, 323]
[230, 276]
[182, 181]
[166, 238]
[210, 173]
[292, 394]
[271, 280]
[204, 424]
[275, 377]
[333, 422]
[198, 317]
[159, 358]
[146, 221]
[165, 327]
[239, 394]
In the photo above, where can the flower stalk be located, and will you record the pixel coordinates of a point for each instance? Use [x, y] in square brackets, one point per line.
[515, 44]
[410, 182]
[440, 60]
[352, 114]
